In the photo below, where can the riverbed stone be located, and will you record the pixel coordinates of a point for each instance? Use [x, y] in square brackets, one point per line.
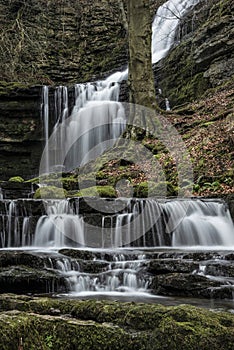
[193, 285]
[22, 279]
[98, 325]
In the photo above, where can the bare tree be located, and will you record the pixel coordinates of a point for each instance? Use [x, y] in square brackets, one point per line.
[141, 80]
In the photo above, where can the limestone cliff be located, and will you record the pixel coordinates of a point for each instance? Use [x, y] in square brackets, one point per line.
[60, 41]
[204, 57]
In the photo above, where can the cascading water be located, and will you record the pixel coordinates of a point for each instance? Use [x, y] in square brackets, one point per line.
[117, 263]
[143, 224]
[165, 25]
[51, 229]
[109, 114]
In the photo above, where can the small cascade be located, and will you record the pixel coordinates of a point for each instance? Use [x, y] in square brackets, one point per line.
[165, 25]
[61, 104]
[167, 103]
[117, 274]
[60, 227]
[17, 222]
[203, 224]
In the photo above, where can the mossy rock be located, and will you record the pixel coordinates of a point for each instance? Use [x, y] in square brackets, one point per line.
[34, 180]
[16, 179]
[97, 191]
[50, 192]
[151, 189]
[70, 183]
[43, 323]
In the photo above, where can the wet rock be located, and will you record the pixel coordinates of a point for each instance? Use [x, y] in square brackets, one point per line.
[15, 190]
[22, 279]
[182, 284]
[221, 268]
[11, 258]
[159, 267]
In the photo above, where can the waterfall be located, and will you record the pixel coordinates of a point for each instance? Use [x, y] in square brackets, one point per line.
[118, 262]
[122, 273]
[120, 237]
[45, 114]
[97, 119]
[165, 25]
[143, 223]
[99, 100]
[60, 227]
[205, 224]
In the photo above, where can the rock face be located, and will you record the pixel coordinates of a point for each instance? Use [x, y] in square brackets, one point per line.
[20, 130]
[61, 42]
[204, 58]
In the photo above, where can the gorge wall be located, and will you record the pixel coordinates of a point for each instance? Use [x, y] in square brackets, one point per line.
[204, 57]
[66, 41]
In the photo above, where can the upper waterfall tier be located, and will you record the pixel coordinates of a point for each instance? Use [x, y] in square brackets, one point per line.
[69, 134]
[165, 25]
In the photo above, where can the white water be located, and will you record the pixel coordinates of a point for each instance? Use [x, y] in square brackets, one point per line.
[165, 25]
[143, 223]
[119, 275]
[60, 227]
[192, 224]
[205, 224]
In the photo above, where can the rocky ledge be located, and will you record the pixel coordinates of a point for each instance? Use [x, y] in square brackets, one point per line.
[190, 274]
[43, 323]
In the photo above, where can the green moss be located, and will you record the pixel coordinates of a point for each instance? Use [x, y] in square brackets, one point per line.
[70, 183]
[51, 192]
[7, 87]
[34, 180]
[111, 325]
[16, 179]
[191, 89]
[150, 189]
[101, 191]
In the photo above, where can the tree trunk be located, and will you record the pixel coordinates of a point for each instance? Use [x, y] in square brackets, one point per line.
[141, 79]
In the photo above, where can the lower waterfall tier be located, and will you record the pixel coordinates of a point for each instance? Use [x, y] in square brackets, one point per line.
[139, 274]
[102, 223]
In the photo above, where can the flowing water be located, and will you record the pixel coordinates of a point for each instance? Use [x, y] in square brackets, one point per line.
[165, 25]
[124, 242]
[118, 245]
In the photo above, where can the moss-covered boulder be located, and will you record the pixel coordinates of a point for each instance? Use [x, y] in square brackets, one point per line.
[155, 189]
[97, 325]
[50, 192]
[98, 191]
[16, 179]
